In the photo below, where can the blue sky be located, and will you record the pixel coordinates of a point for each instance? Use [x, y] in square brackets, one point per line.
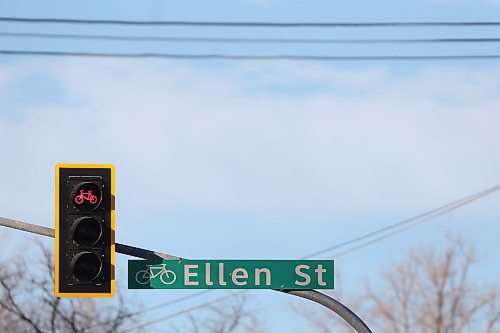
[245, 160]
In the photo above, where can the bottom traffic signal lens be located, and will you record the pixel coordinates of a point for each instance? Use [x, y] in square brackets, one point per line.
[86, 266]
[86, 231]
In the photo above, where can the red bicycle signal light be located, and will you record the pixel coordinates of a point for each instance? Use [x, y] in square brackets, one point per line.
[86, 196]
[80, 198]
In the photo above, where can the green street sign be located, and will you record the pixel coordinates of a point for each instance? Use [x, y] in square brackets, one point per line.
[230, 274]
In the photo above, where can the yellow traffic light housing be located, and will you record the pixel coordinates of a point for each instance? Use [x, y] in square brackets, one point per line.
[84, 230]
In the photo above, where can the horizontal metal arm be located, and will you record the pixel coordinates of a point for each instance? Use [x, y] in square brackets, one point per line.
[350, 317]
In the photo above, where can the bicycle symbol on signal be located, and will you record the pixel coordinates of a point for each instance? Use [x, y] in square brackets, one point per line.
[144, 276]
[80, 198]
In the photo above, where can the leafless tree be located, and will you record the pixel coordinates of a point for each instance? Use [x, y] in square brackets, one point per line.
[429, 291]
[28, 304]
[230, 316]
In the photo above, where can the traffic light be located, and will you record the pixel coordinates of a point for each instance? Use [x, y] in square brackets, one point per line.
[85, 230]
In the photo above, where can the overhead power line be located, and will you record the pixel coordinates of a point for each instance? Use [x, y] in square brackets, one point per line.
[412, 220]
[393, 228]
[410, 224]
[250, 24]
[385, 232]
[185, 311]
[174, 301]
[252, 57]
[400, 227]
[246, 40]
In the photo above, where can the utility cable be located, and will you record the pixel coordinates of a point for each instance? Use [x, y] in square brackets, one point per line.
[161, 305]
[146, 253]
[129, 250]
[245, 40]
[418, 218]
[252, 24]
[252, 57]
[406, 224]
[411, 225]
[185, 311]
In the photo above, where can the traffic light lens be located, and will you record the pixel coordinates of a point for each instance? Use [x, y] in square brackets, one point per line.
[86, 231]
[86, 196]
[86, 266]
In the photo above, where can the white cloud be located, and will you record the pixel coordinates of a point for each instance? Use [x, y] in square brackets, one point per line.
[225, 163]
[237, 140]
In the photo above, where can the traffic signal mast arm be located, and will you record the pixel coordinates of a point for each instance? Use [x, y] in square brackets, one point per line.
[350, 317]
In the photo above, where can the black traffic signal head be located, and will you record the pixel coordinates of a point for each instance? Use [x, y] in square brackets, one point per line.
[85, 230]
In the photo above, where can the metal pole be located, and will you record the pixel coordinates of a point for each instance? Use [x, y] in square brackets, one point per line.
[143, 253]
[49, 232]
[36, 229]
[344, 312]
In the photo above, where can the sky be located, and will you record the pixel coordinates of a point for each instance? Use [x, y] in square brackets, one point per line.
[256, 159]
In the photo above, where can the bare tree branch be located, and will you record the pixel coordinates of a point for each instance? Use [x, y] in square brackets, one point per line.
[43, 312]
[440, 298]
[429, 291]
[226, 317]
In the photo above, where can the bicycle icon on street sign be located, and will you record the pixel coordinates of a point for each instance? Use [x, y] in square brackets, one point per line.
[144, 276]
